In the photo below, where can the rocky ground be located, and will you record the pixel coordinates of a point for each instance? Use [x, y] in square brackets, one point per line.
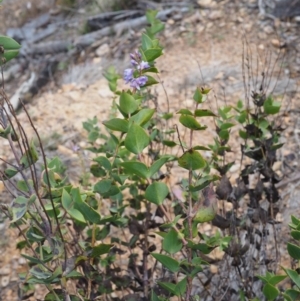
[205, 45]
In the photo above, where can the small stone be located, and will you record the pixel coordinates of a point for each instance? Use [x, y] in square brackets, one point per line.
[240, 19]
[277, 166]
[275, 43]
[215, 15]
[261, 47]
[182, 29]
[220, 75]
[4, 281]
[205, 3]
[22, 261]
[234, 168]
[68, 87]
[209, 25]
[5, 270]
[213, 269]
[262, 35]
[177, 17]
[102, 50]
[248, 27]
[171, 22]
[200, 28]
[268, 29]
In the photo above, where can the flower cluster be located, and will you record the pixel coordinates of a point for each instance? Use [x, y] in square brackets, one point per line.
[139, 65]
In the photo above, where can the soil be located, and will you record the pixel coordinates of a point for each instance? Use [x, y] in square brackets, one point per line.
[204, 47]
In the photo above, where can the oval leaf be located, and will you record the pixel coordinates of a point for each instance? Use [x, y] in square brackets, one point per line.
[136, 139]
[191, 123]
[204, 113]
[156, 192]
[171, 243]
[294, 251]
[68, 205]
[11, 47]
[192, 160]
[137, 168]
[270, 291]
[117, 124]
[128, 104]
[167, 261]
[142, 117]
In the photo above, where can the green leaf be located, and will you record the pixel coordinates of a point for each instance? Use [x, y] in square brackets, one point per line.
[191, 123]
[151, 81]
[224, 134]
[271, 107]
[169, 143]
[40, 273]
[136, 139]
[9, 173]
[30, 156]
[191, 160]
[11, 48]
[117, 124]
[32, 259]
[242, 117]
[146, 42]
[243, 134]
[103, 162]
[167, 261]
[68, 205]
[293, 250]
[19, 208]
[185, 112]
[276, 279]
[170, 287]
[100, 250]
[181, 287]
[155, 167]
[226, 125]
[294, 276]
[204, 182]
[171, 242]
[270, 291]
[295, 234]
[103, 186]
[136, 168]
[156, 192]
[295, 220]
[142, 117]
[88, 212]
[292, 295]
[204, 113]
[198, 97]
[201, 147]
[151, 15]
[152, 53]
[240, 104]
[128, 103]
[153, 296]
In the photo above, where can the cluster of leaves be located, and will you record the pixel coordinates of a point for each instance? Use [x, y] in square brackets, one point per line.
[271, 281]
[126, 207]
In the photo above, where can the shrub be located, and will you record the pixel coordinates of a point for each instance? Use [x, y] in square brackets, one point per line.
[126, 233]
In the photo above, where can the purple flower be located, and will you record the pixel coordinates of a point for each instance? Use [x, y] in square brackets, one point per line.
[138, 54]
[134, 63]
[128, 75]
[143, 65]
[142, 80]
[138, 82]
